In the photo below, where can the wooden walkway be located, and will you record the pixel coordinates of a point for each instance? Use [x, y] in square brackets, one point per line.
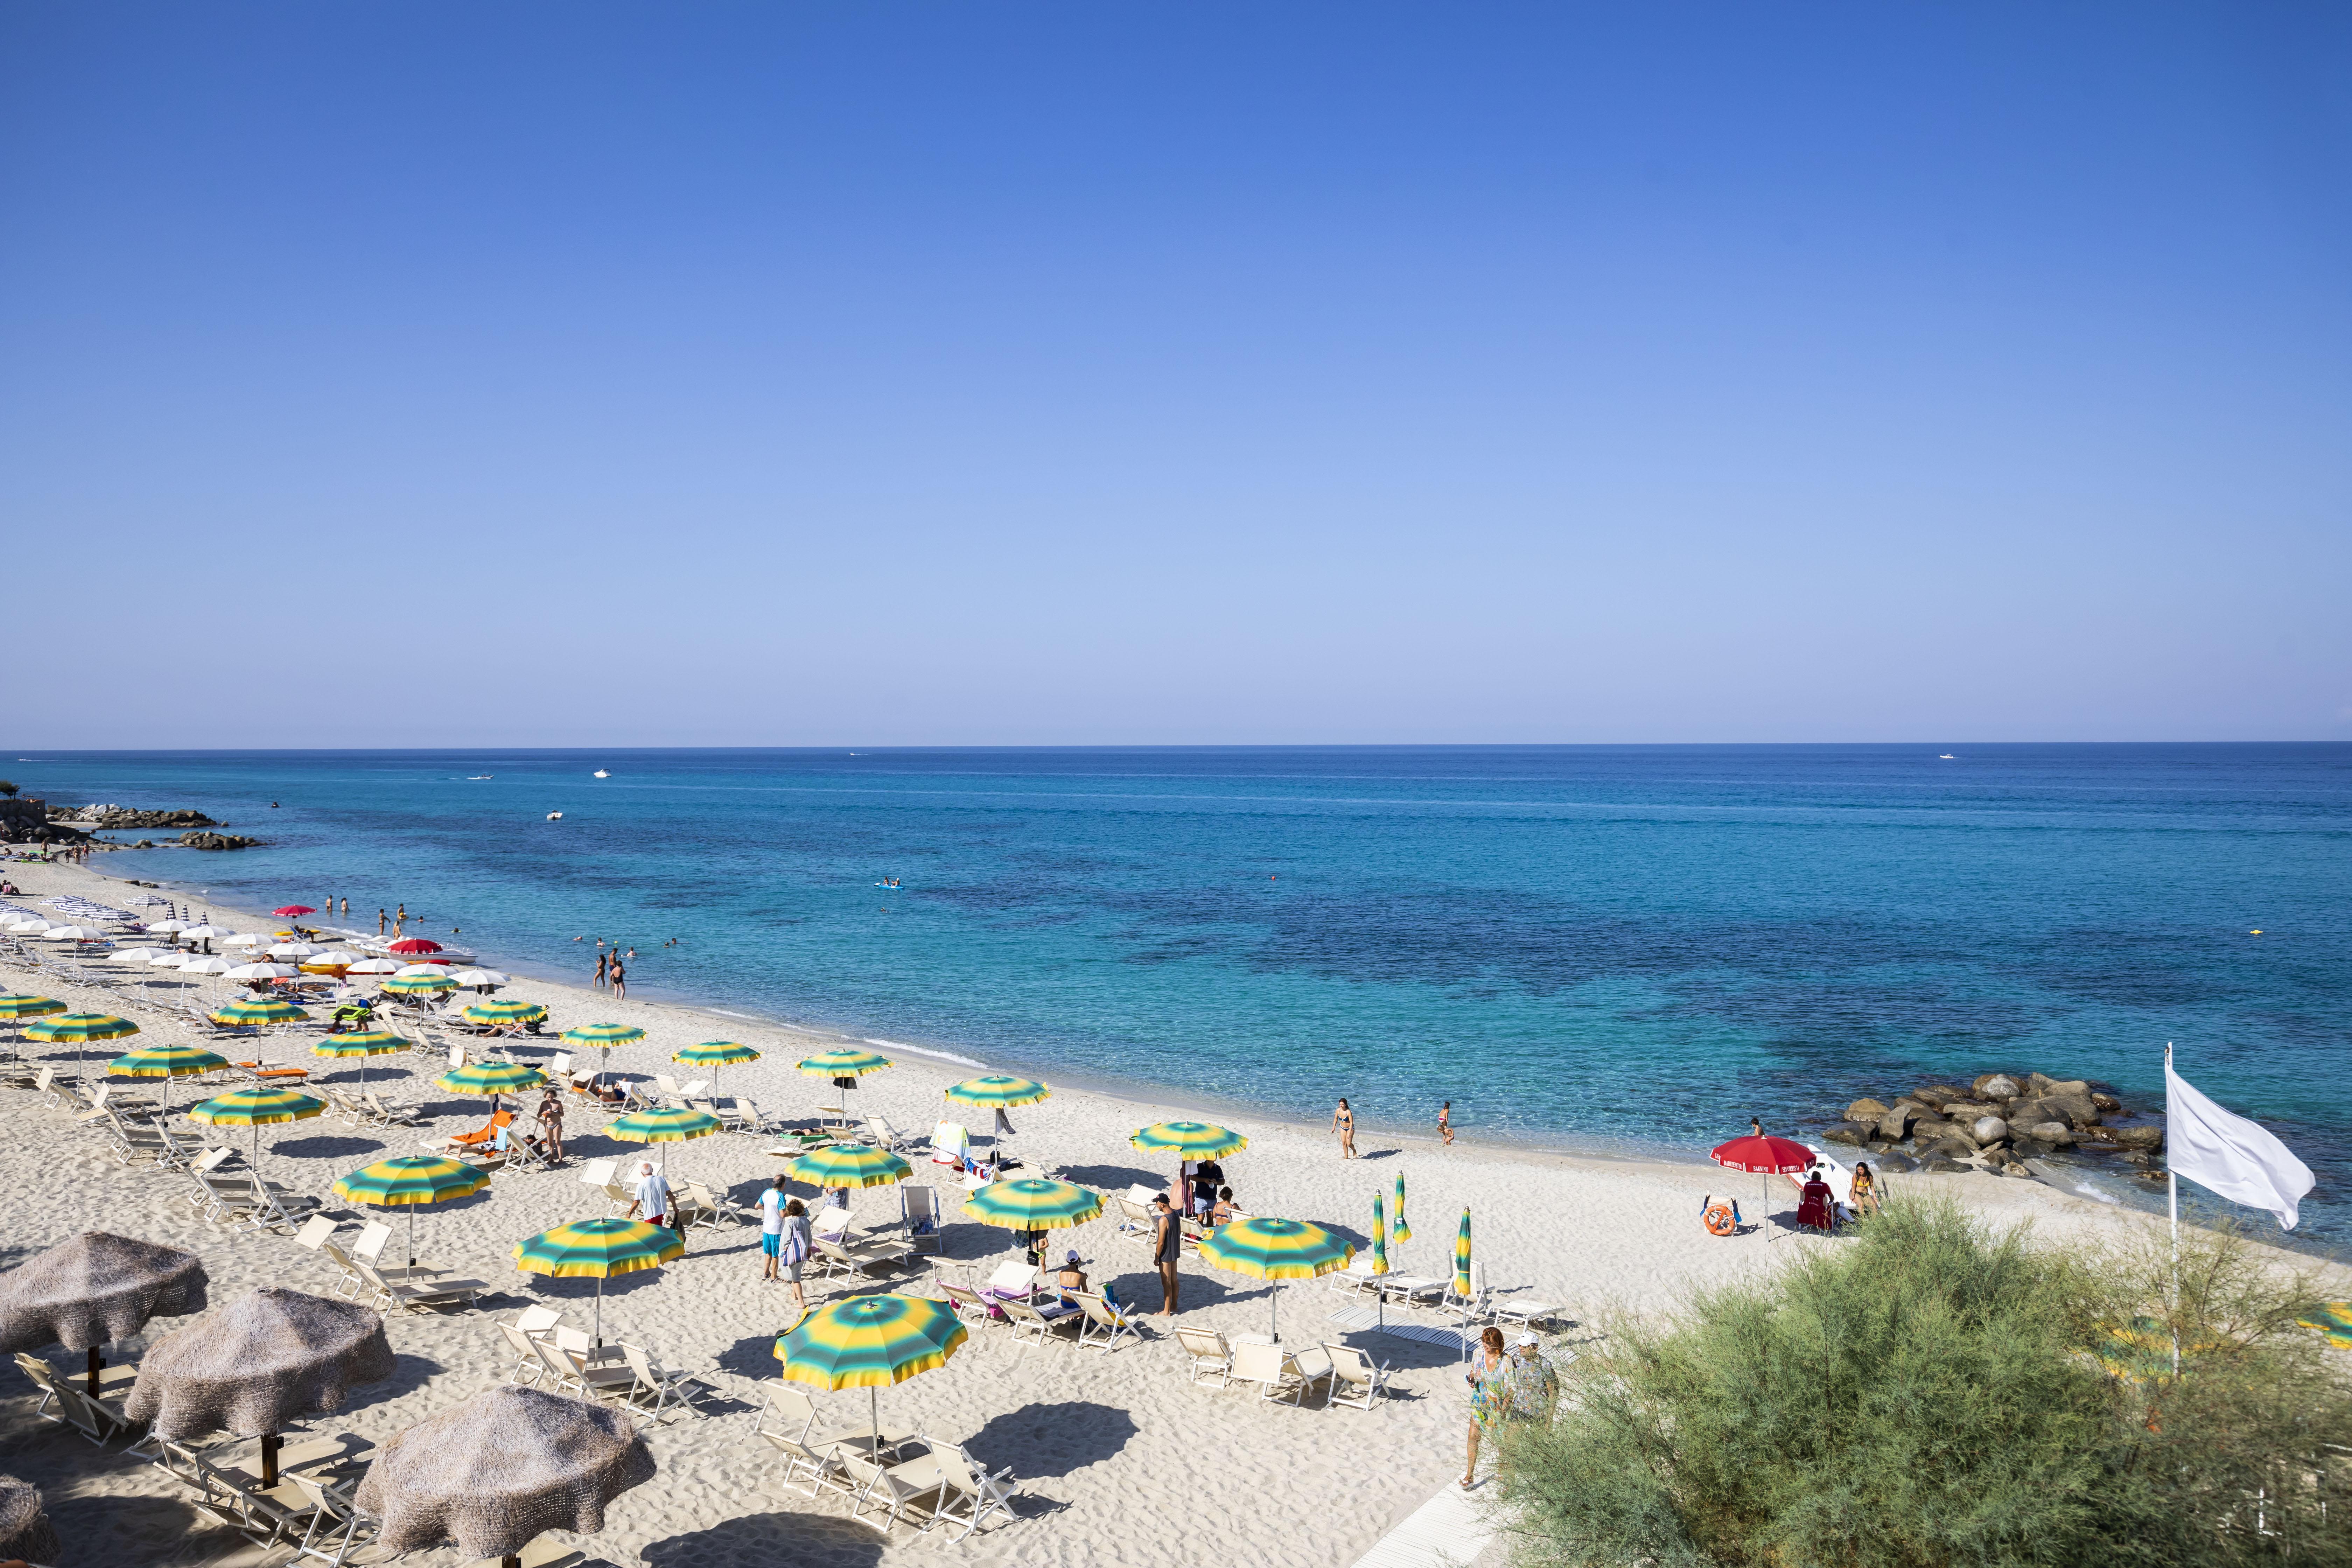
[1446, 1532]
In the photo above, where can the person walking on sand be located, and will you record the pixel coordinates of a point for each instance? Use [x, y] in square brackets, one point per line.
[792, 1254]
[1167, 1245]
[652, 1202]
[1446, 1122]
[600, 972]
[620, 980]
[550, 1121]
[771, 1226]
[1488, 1375]
[1343, 1122]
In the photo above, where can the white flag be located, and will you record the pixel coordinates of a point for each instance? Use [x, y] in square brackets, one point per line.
[2227, 1153]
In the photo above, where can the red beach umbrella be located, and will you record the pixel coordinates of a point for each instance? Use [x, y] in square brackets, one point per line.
[415, 944]
[290, 910]
[1767, 1157]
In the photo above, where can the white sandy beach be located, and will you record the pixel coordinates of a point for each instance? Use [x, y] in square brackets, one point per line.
[1120, 1459]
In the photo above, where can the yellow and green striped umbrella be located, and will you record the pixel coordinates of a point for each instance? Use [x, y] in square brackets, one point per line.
[255, 1108]
[850, 1165]
[14, 1005]
[665, 1126]
[490, 1078]
[604, 1035]
[419, 985]
[846, 1062]
[598, 1249]
[1275, 1250]
[73, 1028]
[1033, 1204]
[360, 1043]
[1403, 1231]
[165, 1061]
[410, 1182]
[715, 1054]
[258, 1011]
[870, 1343]
[1380, 1237]
[2334, 1323]
[1190, 1140]
[1461, 1257]
[507, 1011]
[991, 1093]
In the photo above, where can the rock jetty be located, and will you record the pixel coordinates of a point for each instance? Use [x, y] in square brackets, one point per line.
[118, 817]
[2000, 1121]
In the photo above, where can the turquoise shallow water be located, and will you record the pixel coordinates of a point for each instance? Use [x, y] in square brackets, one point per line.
[1637, 946]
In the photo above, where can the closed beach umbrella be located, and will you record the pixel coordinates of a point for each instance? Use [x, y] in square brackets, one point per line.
[255, 1012]
[871, 1343]
[362, 1044]
[495, 1472]
[1767, 1157]
[495, 1013]
[269, 1359]
[1275, 1250]
[714, 1055]
[1380, 1237]
[26, 1532]
[1189, 1139]
[1403, 1232]
[256, 1109]
[995, 1093]
[1033, 1204]
[93, 1290]
[490, 1078]
[419, 985]
[411, 1182]
[1461, 1257]
[598, 1249]
[604, 1037]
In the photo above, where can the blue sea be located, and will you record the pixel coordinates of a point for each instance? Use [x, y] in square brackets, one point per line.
[1626, 948]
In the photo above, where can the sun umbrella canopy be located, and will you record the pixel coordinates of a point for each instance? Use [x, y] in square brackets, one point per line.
[176, 960]
[165, 1061]
[598, 1248]
[290, 910]
[294, 950]
[360, 1043]
[1764, 1157]
[246, 939]
[74, 933]
[260, 971]
[497, 1470]
[26, 1532]
[871, 1341]
[847, 1062]
[505, 1013]
[264, 1362]
[93, 1290]
[255, 1108]
[220, 966]
[144, 956]
[479, 977]
[412, 1179]
[335, 957]
[419, 985]
[602, 1035]
[29, 1006]
[259, 1010]
[413, 945]
[197, 933]
[850, 1165]
[1033, 1204]
[715, 1054]
[663, 1126]
[989, 1093]
[1275, 1249]
[409, 971]
[1190, 1140]
[490, 1078]
[373, 966]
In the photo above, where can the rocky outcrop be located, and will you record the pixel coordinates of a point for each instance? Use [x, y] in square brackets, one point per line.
[115, 817]
[1999, 1121]
[26, 821]
[200, 840]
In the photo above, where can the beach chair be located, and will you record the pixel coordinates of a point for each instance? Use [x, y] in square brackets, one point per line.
[423, 1296]
[24, 1075]
[1470, 1311]
[368, 1249]
[692, 1203]
[382, 1114]
[1356, 1379]
[901, 1490]
[787, 1423]
[1521, 1312]
[316, 1230]
[478, 1140]
[634, 1096]
[664, 1385]
[756, 1121]
[950, 1143]
[829, 1230]
[350, 1285]
[1103, 1326]
[969, 1490]
[696, 1089]
[64, 1402]
[1354, 1279]
[528, 1368]
[885, 1136]
[1206, 1354]
[598, 1173]
[1409, 1287]
[336, 1528]
[1015, 1280]
[1030, 1324]
[573, 1368]
[968, 1304]
[667, 1087]
[921, 1208]
[620, 1197]
[1276, 1371]
[730, 1114]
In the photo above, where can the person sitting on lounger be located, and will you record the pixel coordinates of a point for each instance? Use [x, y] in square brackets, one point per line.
[1223, 1209]
[1816, 1206]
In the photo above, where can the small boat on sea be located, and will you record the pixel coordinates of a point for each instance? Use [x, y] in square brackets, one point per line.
[602, 774]
[477, 778]
[554, 817]
[1946, 757]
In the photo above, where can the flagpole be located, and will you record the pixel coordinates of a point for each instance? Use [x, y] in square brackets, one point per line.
[2172, 1195]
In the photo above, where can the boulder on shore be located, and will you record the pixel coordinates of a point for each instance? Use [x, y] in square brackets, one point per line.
[2054, 1133]
[1864, 1110]
[2000, 1086]
[1989, 1129]
[198, 839]
[1844, 1132]
[2147, 1138]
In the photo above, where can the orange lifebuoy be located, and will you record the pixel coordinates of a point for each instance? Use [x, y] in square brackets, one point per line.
[1720, 1219]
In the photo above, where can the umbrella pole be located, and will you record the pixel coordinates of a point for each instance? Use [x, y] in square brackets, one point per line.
[874, 1412]
[96, 1363]
[270, 1442]
[599, 1311]
[412, 1239]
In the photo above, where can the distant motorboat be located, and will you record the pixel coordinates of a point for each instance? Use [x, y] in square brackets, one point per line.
[602, 774]
[554, 817]
[477, 778]
[1946, 757]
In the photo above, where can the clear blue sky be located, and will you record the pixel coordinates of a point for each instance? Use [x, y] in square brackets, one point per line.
[781, 374]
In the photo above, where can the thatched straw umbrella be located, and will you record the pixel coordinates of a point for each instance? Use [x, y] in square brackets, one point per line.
[264, 1361]
[94, 1290]
[494, 1472]
[25, 1530]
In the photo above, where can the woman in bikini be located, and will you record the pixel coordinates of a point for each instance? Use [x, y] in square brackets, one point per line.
[1343, 1122]
[1446, 1122]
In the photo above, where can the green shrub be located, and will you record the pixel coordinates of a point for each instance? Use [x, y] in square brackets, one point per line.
[1932, 1394]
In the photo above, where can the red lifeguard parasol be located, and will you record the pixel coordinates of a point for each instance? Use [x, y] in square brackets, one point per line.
[290, 910]
[1761, 1155]
[415, 944]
